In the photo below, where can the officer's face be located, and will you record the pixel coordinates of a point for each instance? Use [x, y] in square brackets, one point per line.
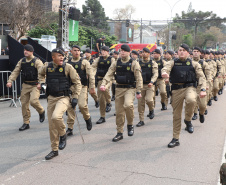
[182, 53]
[75, 52]
[196, 53]
[104, 53]
[115, 55]
[124, 54]
[168, 56]
[27, 53]
[145, 54]
[134, 56]
[87, 55]
[176, 55]
[58, 59]
[156, 55]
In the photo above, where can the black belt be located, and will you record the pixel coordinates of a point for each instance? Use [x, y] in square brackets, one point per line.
[61, 93]
[31, 83]
[125, 86]
[176, 86]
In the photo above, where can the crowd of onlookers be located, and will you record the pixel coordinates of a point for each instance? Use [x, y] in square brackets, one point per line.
[5, 51]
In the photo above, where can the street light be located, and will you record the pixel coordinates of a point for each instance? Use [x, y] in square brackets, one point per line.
[171, 11]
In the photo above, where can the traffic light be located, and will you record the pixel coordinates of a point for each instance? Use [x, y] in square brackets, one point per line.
[74, 14]
[127, 23]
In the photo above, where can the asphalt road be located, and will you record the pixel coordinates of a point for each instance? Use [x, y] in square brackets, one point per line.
[141, 159]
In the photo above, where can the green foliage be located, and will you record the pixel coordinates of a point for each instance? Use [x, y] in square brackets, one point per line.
[94, 15]
[86, 33]
[187, 39]
[38, 31]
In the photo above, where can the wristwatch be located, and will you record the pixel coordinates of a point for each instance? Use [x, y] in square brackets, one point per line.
[151, 82]
[137, 93]
[203, 90]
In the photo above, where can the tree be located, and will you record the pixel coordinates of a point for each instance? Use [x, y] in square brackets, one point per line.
[124, 13]
[93, 15]
[187, 39]
[20, 15]
[38, 31]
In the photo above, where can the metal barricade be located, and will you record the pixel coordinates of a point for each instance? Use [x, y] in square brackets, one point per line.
[8, 93]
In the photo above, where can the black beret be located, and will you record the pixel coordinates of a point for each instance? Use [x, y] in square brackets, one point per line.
[157, 51]
[190, 53]
[135, 52]
[170, 52]
[125, 47]
[207, 52]
[105, 48]
[146, 50]
[58, 50]
[103, 37]
[197, 48]
[203, 51]
[29, 47]
[76, 46]
[116, 52]
[140, 51]
[185, 46]
[88, 51]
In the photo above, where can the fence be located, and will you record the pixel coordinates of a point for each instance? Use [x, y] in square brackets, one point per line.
[8, 93]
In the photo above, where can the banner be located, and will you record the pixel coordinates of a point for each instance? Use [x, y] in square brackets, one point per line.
[73, 30]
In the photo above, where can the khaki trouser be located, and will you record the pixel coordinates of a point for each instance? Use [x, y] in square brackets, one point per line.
[94, 96]
[210, 91]
[160, 83]
[82, 104]
[221, 83]
[148, 97]
[56, 108]
[215, 86]
[201, 102]
[124, 98]
[188, 94]
[31, 94]
[104, 97]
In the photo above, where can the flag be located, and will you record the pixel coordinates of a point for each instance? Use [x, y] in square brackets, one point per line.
[73, 30]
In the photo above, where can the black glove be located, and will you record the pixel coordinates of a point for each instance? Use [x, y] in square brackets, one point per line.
[74, 102]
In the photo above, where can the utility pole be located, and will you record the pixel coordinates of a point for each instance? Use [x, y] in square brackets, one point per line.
[59, 33]
[141, 30]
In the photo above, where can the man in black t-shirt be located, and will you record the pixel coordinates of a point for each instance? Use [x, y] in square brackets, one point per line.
[99, 44]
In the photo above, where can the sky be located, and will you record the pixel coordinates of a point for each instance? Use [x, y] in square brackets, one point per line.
[161, 9]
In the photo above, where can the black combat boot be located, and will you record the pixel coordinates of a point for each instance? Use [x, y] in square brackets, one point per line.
[173, 143]
[101, 120]
[195, 116]
[201, 118]
[206, 112]
[141, 123]
[24, 127]
[189, 126]
[63, 142]
[209, 102]
[42, 117]
[108, 107]
[69, 132]
[51, 155]
[97, 104]
[163, 107]
[151, 114]
[215, 98]
[118, 137]
[89, 124]
[130, 130]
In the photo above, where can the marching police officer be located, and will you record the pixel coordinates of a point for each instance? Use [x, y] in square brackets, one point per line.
[83, 69]
[62, 81]
[183, 74]
[28, 66]
[101, 65]
[135, 54]
[160, 83]
[90, 59]
[149, 70]
[201, 102]
[128, 76]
